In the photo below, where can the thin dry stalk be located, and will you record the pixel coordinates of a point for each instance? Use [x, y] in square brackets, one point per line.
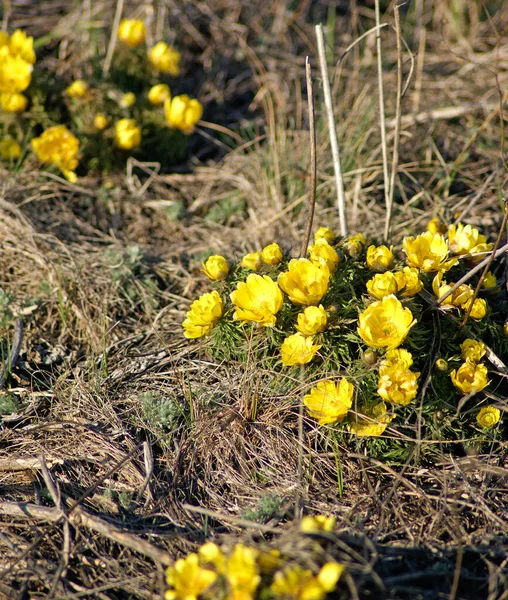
[112, 39]
[339, 180]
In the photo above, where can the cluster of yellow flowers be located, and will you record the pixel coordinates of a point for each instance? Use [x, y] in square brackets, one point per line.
[265, 282]
[244, 572]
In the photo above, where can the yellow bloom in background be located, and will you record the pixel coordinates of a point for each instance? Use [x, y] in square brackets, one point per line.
[505, 329]
[436, 226]
[408, 281]
[379, 258]
[132, 32]
[329, 401]
[59, 147]
[165, 58]
[428, 252]
[329, 575]
[203, 315]
[9, 149]
[188, 579]
[127, 134]
[23, 46]
[489, 281]
[470, 377]
[127, 100]
[252, 261]
[242, 572]
[399, 356]
[158, 93]
[77, 89]
[295, 583]
[298, 349]
[478, 310]
[464, 239]
[15, 73]
[488, 416]
[472, 350]
[385, 323]
[271, 254]
[382, 284]
[100, 121]
[321, 253]
[304, 282]
[397, 384]
[313, 320]
[269, 561]
[317, 523]
[216, 268]
[374, 426]
[324, 233]
[210, 554]
[258, 299]
[354, 245]
[183, 112]
[13, 103]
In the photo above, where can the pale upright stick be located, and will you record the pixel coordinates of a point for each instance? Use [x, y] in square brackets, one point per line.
[112, 39]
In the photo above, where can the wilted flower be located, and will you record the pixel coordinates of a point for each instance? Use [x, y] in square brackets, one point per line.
[409, 281]
[215, 268]
[329, 401]
[428, 251]
[478, 309]
[9, 149]
[322, 254]
[203, 315]
[15, 73]
[385, 323]
[298, 349]
[100, 121]
[488, 416]
[252, 261]
[183, 112]
[77, 89]
[489, 281]
[158, 93]
[188, 579]
[313, 320]
[379, 258]
[354, 245]
[127, 100]
[13, 103]
[317, 523]
[470, 377]
[373, 426]
[304, 282]
[324, 233]
[59, 147]
[242, 572]
[441, 365]
[436, 226]
[127, 134]
[397, 384]
[472, 350]
[165, 58]
[258, 299]
[464, 239]
[271, 254]
[132, 32]
[382, 284]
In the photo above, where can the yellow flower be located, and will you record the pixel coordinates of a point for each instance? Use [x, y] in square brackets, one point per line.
[382, 284]
[478, 310]
[399, 356]
[488, 416]
[9, 149]
[252, 261]
[324, 233]
[354, 245]
[321, 253]
[165, 58]
[428, 252]
[127, 134]
[13, 103]
[385, 323]
[472, 350]
[183, 112]
[127, 100]
[298, 349]
[464, 239]
[440, 288]
[158, 93]
[329, 401]
[216, 268]
[313, 320]
[408, 280]
[397, 384]
[23, 46]
[329, 575]
[373, 426]
[77, 89]
[188, 579]
[441, 365]
[242, 572]
[379, 258]
[304, 282]
[489, 281]
[132, 32]
[269, 561]
[15, 73]
[295, 583]
[470, 377]
[59, 147]
[436, 226]
[462, 295]
[100, 121]
[258, 299]
[505, 329]
[211, 554]
[203, 315]
[317, 523]
[271, 254]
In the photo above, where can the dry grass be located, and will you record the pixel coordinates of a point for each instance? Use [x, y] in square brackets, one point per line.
[102, 276]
